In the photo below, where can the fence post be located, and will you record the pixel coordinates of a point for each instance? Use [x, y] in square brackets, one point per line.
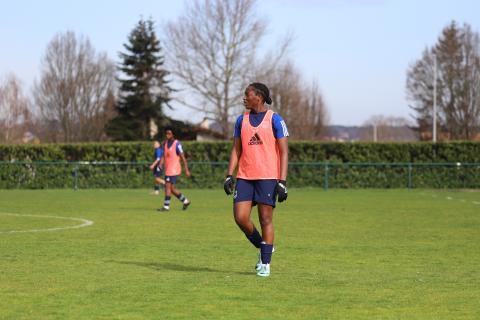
[75, 177]
[325, 182]
[409, 176]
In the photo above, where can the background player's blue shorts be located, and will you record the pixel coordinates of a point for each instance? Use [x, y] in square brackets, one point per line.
[171, 179]
[257, 191]
[157, 172]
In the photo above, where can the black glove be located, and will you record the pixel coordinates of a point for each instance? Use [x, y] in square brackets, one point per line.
[282, 190]
[228, 185]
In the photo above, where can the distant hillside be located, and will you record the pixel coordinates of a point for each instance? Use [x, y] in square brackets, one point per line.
[356, 133]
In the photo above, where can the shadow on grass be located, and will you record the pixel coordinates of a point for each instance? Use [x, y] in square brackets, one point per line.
[175, 267]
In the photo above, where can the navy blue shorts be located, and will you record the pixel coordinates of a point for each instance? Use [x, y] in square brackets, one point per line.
[257, 191]
[157, 172]
[171, 179]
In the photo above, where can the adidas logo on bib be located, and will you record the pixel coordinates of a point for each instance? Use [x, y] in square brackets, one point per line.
[255, 140]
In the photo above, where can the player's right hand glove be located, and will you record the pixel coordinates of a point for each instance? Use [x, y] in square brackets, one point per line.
[282, 191]
[228, 185]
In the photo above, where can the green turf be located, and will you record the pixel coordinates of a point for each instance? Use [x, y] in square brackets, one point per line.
[341, 254]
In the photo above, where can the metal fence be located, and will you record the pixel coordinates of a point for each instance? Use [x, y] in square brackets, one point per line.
[326, 175]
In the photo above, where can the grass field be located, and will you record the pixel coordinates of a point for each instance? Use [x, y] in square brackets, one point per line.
[341, 254]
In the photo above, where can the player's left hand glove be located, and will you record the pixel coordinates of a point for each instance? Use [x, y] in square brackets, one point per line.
[228, 185]
[282, 191]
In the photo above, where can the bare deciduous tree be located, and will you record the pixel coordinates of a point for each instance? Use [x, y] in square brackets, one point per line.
[302, 106]
[75, 89]
[458, 84]
[14, 111]
[212, 50]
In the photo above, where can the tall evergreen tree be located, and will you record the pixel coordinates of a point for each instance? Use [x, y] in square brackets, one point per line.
[144, 89]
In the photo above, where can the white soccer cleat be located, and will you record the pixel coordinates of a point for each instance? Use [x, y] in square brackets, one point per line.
[264, 270]
[258, 265]
[186, 203]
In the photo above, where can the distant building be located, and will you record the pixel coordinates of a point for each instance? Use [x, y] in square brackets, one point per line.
[369, 133]
[209, 130]
[29, 137]
[153, 128]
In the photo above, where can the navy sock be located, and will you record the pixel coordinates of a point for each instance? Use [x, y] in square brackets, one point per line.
[266, 252]
[166, 203]
[255, 238]
[181, 197]
[156, 187]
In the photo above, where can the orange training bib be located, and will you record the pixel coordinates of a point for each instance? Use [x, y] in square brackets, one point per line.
[172, 160]
[260, 158]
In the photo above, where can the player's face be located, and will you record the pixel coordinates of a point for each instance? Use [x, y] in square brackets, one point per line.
[169, 134]
[156, 144]
[250, 99]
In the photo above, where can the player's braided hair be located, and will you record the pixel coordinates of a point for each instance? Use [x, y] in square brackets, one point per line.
[261, 90]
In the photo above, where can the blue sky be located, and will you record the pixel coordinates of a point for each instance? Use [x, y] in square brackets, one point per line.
[357, 50]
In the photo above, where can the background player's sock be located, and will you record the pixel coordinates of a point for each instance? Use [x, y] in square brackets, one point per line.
[166, 203]
[255, 238]
[156, 187]
[266, 251]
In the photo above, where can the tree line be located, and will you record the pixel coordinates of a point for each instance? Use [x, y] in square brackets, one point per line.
[204, 60]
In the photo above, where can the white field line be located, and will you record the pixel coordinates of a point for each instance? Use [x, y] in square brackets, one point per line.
[450, 198]
[84, 223]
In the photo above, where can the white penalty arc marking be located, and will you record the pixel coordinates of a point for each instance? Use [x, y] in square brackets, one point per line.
[84, 223]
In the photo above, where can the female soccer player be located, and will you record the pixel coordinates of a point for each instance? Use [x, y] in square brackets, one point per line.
[172, 153]
[156, 168]
[260, 149]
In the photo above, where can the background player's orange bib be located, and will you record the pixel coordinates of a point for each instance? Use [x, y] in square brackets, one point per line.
[260, 158]
[172, 160]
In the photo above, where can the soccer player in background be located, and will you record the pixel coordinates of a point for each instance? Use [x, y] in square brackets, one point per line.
[172, 153]
[260, 149]
[156, 168]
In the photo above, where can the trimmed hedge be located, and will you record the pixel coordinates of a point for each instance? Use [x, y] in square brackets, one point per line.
[220, 151]
[208, 162]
